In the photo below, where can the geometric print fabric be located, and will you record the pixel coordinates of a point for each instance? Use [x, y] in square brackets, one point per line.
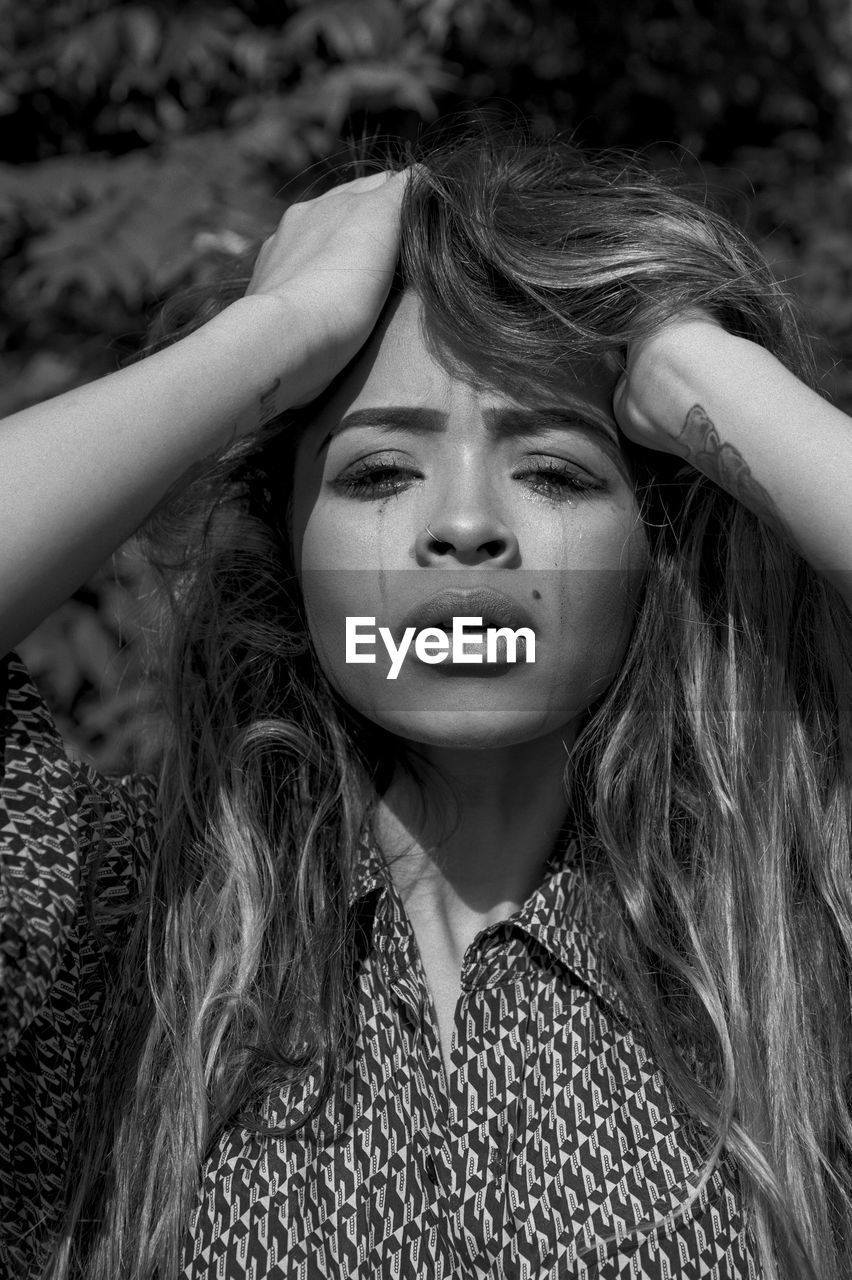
[553, 1131]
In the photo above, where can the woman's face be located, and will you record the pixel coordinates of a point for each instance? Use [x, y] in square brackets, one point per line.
[532, 523]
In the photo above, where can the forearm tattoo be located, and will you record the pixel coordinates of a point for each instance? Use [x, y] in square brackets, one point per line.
[724, 464]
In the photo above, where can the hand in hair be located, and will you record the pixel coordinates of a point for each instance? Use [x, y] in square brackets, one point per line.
[329, 266]
[81, 472]
[730, 408]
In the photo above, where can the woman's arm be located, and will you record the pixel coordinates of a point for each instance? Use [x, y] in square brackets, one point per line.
[81, 472]
[729, 407]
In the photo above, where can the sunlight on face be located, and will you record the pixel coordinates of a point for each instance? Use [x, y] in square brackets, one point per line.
[532, 503]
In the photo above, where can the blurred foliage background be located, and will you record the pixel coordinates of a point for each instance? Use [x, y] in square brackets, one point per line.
[146, 147]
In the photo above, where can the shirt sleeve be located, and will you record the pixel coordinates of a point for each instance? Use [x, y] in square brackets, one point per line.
[62, 826]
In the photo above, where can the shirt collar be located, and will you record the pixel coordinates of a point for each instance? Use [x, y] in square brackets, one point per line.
[563, 917]
[559, 915]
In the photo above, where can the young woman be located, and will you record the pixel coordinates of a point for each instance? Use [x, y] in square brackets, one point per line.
[535, 966]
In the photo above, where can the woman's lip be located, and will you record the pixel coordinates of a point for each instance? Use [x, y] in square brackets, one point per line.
[495, 608]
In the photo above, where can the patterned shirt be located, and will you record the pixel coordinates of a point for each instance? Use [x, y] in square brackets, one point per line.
[553, 1131]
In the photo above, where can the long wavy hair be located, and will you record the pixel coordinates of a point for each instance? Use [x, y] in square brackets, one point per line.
[711, 786]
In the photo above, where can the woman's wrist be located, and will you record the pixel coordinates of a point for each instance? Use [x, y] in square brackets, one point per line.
[262, 336]
[676, 370]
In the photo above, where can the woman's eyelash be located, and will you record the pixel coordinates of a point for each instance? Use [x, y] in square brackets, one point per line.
[554, 478]
[383, 477]
[375, 477]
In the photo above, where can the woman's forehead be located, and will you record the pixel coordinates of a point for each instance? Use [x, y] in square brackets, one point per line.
[401, 367]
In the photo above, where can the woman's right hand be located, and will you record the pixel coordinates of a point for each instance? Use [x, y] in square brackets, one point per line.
[328, 268]
[79, 473]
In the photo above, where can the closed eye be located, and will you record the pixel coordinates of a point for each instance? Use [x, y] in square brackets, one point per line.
[558, 480]
[376, 477]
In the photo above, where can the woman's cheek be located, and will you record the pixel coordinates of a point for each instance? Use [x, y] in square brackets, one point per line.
[352, 536]
[599, 605]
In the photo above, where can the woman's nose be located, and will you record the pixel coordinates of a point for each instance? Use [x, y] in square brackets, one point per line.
[467, 537]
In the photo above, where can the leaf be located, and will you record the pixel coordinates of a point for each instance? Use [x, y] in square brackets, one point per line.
[376, 86]
[136, 239]
[142, 33]
[349, 29]
[85, 56]
[277, 130]
[36, 192]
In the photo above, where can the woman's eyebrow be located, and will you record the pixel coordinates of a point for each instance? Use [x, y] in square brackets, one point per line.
[503, 423]
[388, 418]
[511, 422]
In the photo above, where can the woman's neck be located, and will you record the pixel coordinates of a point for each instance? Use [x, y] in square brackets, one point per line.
[468, 841]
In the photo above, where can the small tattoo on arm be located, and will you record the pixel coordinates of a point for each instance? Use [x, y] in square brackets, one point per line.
[268, 403]
[726, 466]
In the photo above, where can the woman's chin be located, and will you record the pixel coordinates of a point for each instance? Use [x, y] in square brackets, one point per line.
[454, 730]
